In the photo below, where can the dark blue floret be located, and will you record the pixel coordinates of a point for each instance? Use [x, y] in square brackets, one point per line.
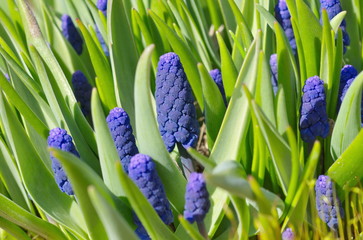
[313, 116]
[288, 234]
[176, 113]
[102, 42]
[217, 78]
[347, 75]
[102, 6]
[196, 198]
[333, 7]
[121, 131]
[274, 71]
[327, 203]
[71, 34]
[58, 138]
[143, 172]
[82, 91]
[284, 18]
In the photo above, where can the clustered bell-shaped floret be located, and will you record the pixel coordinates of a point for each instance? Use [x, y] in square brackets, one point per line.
[313, 117]
[82, 91]
[284, 18]
[197, 201]
[274, 72]
[216, 75]
[59, 138]
[327, 203]
[71, 34]
[347, 75]
[176, 113]
[118, 122]
[102, 42]
[102, 6]
[288, 234]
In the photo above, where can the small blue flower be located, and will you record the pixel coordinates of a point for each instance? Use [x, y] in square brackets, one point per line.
[121, 131]
[102, 42]
[274, 72]
[176, 113]
[82, 91]
[59, 138]
[288, 234]
[347, 75]
[313, 116]
[71, 34]
[284, 18]
[216, 75]
[102, 6]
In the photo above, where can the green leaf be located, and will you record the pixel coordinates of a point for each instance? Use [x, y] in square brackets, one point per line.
[192, 232]
[13, 229]
[348, 123]
[337, 20]
[116, 226]
[148, 136]
[21, 217]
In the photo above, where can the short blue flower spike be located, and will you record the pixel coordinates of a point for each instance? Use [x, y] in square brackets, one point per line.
[59, 138]
[102, 6]
[102, 42]
[176, 113]
[118, 122]
[313, 116]
[288, 234]
[216, 75]
[274, 72]
[82, 91]
[71, 34]
[347, 75]
[284, 18]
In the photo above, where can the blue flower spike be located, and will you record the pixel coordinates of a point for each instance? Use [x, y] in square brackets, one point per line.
[82, 91]
[70, 32]
[284, 18]
[59, 138]
[347, 75]
[102, 42]
[288, 234]
[333, 7]
[216, 75]
[118, 122]
[327, 204]
[102, 6]
[274, 72]
[176, 113]
[143, 172]
[313, 117]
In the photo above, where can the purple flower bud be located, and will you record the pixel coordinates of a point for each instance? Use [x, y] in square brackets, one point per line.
[196, 198]
[313, 116]
[102, 6]
[217, 78]
[274, 72]
[102, 42]
[288, 234]
[176, 113]
[71, 34]
[143, 172]
[284, 18]
[58, 138]
[121, 131]
[327, 203]
[82, 91]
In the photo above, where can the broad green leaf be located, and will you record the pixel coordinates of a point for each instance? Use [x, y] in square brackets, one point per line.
[147, 215]
[192, 232]
[348, 123]
[13, 229]
[228, 17]
[116, 226]
[337, 20]
[148, 136]
[13, 213]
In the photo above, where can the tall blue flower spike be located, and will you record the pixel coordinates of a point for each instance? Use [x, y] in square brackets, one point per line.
[313, 116]
[327, 203]
[274, 72]
[71, 34]
[176, 113]
[59, 138]
[82, 91]
[333, 7]
[143, 172]
[102, 6]
[284, 18]
[121, 131]
[216, 75]
[288, 234]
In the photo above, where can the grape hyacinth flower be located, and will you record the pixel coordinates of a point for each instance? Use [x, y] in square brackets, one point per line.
[82, 91]
[102, 42]
[59, 138]
[216, 75]
[143, 172]
[333, 7]
[274, 71]
[71, 34]
[288, 234]
[102, 6]
[284, 18]
[347, 75]
[118, 122]
[313, 116]
[176, 113]
[327, 203]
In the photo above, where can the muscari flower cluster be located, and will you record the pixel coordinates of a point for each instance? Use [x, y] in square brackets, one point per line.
[176, 113]
[216, 75]
[102, 6]
[71, 34]
[288, 234]
[333, 8]
[82, 91]
[284, 18]
[59, 138]
[274, 72]
[327, 204]
[313, 116]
